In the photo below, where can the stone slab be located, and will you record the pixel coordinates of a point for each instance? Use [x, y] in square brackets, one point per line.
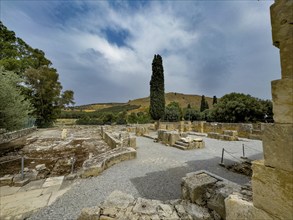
[278, 146]
[55, 195]
[272, 190]
[118, 199]
[8, 190]
[92, 213]
[194, 186]
[282, 93]
[53, 181]
[20, 183]
[6, 180]
[17, 204]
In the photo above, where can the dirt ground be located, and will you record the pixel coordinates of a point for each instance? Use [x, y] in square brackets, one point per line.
[45, 146]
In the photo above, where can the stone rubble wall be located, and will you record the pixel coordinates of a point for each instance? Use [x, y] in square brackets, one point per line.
[7, 137]
[203, 197]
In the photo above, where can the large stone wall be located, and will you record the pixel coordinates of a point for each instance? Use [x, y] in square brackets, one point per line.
[7, 137]
[272, 180]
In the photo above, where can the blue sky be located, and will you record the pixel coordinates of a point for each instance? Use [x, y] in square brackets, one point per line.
[103, 50]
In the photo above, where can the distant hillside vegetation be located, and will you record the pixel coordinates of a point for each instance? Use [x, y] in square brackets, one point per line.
[142, 104]
[182, 99]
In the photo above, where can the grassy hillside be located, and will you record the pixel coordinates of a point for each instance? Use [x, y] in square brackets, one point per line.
[182, 99]
[142, 104]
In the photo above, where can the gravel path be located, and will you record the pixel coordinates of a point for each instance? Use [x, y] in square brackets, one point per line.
[155, 174]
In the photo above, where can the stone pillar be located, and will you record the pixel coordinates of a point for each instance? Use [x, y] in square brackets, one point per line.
[272, 180]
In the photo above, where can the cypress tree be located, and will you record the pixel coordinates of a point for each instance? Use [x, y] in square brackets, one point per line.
[157, 89]
[203, 104]
[215, 100]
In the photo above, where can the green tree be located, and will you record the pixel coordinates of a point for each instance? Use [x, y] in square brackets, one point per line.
[203, 104]
[173, 112]
[238, 107]
[157, 89]
[14, 108]
[191, 114]
[42, 88]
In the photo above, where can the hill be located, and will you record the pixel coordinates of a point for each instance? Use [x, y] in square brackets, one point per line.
[142, 104]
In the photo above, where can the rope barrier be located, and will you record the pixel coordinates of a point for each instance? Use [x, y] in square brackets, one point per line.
[31, 158]
[252, 148]
[7, 161]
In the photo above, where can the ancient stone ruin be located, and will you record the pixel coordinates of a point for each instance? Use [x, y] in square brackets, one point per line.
[272, 180]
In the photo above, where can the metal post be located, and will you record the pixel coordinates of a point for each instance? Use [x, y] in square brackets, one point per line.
[22, 168]
[222, 159]
[72, 164]
[243, 152]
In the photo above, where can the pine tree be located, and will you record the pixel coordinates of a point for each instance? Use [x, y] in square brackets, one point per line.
[157, 89]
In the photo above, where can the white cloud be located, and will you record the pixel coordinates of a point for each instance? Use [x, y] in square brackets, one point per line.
[194, 38]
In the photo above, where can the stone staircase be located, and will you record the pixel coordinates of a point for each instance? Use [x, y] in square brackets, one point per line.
[188, 144]
[181, 145]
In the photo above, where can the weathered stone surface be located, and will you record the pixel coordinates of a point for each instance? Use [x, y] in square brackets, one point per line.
[231, 133]
[281, 18]
[95, 165]
[282, 92]
[20, 183]
[277, 146]
[194, 187]
[40, 167]
[132, 142]
[196, 212]
[272, 190]
[146, 206]
[6, 180]
[286, 48]
[218, 195]
[92, 213]
[237, 208]
[118, 199]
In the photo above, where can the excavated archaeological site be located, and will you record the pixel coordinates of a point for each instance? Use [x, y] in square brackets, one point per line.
[158, 171]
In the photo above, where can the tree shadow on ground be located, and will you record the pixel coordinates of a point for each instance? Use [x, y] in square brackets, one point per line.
[166, 184]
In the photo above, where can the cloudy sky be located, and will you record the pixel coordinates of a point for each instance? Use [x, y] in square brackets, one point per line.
[103, 50]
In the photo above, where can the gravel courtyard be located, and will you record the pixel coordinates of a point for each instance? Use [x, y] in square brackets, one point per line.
[155, 174]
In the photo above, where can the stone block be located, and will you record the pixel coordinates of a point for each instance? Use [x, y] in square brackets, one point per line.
[272, 190]
[281, 20]
[20, 183]
[282, 92]
[219, 193]
[277, 146]
[237, 208]
[91, 213]
[6, 180]
[132, 142]
[231, 133]
[286, 54]
[194, 187]
[119, 200]
[173, 137]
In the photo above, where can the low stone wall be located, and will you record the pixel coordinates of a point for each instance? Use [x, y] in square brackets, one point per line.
[244, 130]
[117, 139]
[7, 137]
[95, 165]
[227, 136]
